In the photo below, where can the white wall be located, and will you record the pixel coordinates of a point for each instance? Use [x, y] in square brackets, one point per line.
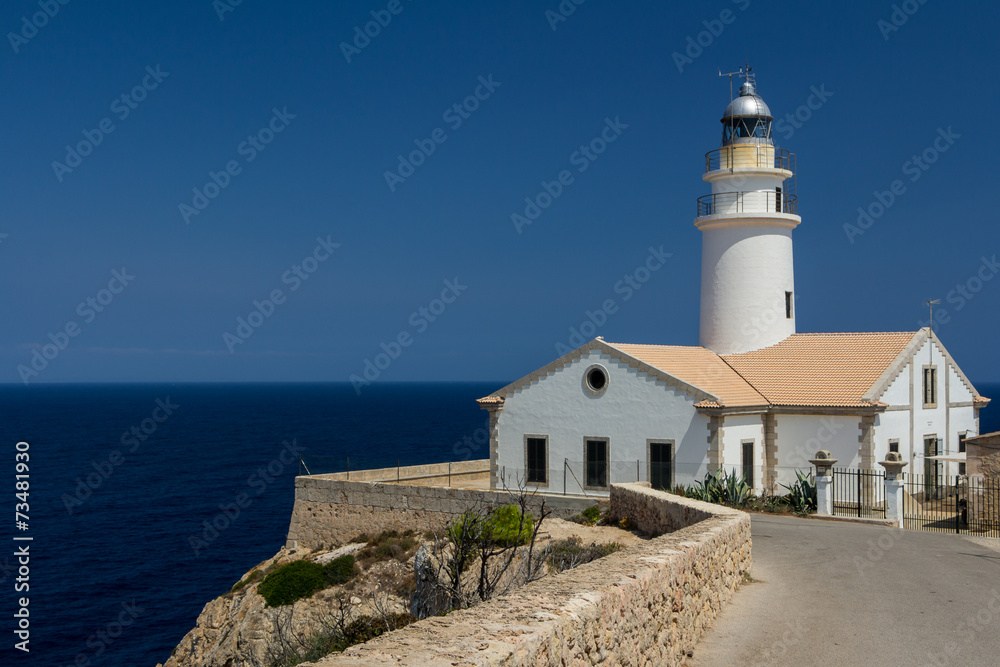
[945, 421]
[745, 272]
[801, 436]
[892, 425]
[898, 392]
[634, 408]
[736, 429]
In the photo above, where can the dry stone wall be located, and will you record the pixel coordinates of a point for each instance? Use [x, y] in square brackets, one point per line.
[329, 510]
[646, 605]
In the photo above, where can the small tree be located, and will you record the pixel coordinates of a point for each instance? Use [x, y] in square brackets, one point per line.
[488, 551]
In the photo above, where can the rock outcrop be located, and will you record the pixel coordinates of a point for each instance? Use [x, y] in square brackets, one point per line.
[238, 629]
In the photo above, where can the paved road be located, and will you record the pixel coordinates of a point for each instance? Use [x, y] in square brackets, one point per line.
[838, 593]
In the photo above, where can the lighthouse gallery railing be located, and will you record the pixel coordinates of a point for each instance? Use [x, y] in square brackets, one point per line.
[756, 201]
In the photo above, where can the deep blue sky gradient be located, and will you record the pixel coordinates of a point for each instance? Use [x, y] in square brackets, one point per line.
[323, 176]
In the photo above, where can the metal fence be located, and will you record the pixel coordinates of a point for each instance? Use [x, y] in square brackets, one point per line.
[575, 477]
[757, 201]
[959, 504]
[859, 493]
[749, 155]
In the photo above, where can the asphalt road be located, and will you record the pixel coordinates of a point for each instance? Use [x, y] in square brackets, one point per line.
[838, 593]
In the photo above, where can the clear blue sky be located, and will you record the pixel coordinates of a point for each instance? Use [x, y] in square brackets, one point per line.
[886, 95]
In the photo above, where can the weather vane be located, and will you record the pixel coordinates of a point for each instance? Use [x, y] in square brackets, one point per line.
[745, 72]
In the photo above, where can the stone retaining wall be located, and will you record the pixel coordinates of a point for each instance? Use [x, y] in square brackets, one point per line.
[646, 605]
[329, 510]
[433, 474]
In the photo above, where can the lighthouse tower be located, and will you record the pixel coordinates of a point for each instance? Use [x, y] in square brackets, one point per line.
[747, 283]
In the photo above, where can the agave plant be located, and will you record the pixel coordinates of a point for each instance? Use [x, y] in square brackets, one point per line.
[736, 491]
[721, 487]
[802, 494]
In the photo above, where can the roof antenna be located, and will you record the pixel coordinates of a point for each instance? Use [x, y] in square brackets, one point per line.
[743, 71]
[930, 304]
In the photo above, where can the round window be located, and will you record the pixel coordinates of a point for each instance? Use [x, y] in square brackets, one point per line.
[596, 379]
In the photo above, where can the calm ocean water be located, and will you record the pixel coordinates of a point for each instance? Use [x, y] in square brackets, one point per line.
[124, 554]
[115, 578]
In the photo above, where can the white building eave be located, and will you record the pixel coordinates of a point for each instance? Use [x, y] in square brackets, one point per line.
[599, 345]
[906, 356]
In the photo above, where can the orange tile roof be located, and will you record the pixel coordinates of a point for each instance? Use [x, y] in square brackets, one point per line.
[490, 400]
[698, 367]
[804, 370]
[832, 369]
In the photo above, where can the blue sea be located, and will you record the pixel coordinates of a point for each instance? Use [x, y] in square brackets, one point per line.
[121, 562]
[125, 478]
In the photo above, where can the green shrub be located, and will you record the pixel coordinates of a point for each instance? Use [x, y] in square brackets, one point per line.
[505, 526]
[571, 552]
[302, 578]
[508, 527]
[591, 515]
[252, 577]
[387, 545]
[332, 639]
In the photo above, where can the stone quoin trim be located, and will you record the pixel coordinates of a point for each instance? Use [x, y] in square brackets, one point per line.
[715, 429]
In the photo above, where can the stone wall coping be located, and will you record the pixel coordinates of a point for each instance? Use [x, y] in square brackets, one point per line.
[647, 603]
[407, 472]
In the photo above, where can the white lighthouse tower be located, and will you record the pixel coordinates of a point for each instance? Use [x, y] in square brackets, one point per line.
[747, 283]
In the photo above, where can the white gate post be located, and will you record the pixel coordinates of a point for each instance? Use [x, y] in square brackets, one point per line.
[893, 465]
[824, 482]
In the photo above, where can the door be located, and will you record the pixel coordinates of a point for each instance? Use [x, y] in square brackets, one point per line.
[597, 463]
[932, 469]
[661, 466]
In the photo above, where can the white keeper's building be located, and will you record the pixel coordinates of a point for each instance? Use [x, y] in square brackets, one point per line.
[755, 396]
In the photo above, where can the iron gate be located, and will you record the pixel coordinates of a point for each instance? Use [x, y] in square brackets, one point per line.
[956, 504]
[859, 493]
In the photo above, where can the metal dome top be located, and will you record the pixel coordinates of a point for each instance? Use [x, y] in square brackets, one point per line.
[748, 103]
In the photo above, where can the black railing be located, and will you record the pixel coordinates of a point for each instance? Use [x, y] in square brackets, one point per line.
[756, 201]
[967, 505]
[859, 493]
[749, 156]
